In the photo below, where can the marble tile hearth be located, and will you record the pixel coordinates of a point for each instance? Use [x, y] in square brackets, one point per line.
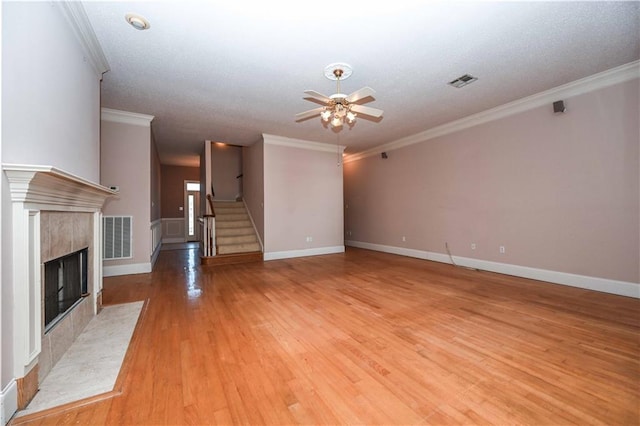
[91, 365]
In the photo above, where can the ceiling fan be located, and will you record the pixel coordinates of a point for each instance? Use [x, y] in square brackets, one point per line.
[340, 107]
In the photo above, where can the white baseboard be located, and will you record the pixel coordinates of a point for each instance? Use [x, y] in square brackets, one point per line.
[8, 402]
[621, 288]
[167, 240]
[134, 268]
[275, 255]
[154, 256]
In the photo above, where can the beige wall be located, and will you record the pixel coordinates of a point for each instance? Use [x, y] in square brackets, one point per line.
[253, 183]
[559, 191]
[126, 163]
[226, 165]
[173, 178]
[302, 198]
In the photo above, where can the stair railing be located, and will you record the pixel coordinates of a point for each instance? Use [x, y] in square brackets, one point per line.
[209, 237]
[210, 200]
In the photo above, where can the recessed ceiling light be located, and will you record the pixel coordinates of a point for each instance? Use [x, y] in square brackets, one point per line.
[136, 21]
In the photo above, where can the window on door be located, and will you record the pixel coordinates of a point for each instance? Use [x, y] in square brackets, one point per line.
[192, 210]
[192, 202]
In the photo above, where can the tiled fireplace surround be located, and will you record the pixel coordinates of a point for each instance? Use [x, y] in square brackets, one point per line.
[62, 233]
[54, 213]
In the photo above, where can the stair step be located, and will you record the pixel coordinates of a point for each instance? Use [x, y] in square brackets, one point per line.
[234, 232]
[227, 204]
[238, 248]
[233, 224]
[236, 239]
[231, 217]
[231, 259]
[226, 212]
[225, 209]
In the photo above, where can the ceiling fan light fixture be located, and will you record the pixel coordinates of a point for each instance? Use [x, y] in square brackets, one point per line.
[339, 107]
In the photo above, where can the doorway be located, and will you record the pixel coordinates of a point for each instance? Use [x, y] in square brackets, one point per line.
[191, 210]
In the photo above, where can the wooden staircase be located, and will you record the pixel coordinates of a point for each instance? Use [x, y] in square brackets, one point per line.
[236, 240]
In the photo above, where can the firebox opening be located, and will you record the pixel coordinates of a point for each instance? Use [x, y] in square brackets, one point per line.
[65, 284]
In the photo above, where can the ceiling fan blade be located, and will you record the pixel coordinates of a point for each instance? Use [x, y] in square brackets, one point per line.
[365, 92]
[308, 114]
[361, 109]
[318, 96]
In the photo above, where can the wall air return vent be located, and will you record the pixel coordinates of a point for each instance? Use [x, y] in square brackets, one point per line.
[116, 237]
[462, 81]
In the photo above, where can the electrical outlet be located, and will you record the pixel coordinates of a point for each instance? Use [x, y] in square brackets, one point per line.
[473, 246]
[502, 250]
[404, 238]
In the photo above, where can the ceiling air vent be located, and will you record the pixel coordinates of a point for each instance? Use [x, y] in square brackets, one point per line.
[462, 81]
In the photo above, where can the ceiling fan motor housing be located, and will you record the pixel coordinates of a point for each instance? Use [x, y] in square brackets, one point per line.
[339, 98]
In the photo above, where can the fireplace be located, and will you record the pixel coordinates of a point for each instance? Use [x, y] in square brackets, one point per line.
[70, 290]
[56, 268]
[65, 283]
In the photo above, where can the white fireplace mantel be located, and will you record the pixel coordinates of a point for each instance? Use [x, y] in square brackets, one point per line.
[35, 188]
[47, 185]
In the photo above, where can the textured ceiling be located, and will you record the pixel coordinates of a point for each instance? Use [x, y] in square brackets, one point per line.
[230, 71]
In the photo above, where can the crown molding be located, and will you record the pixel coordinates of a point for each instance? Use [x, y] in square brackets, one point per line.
[594, 82]
[126, 117]
[77, 18]
[301, 143]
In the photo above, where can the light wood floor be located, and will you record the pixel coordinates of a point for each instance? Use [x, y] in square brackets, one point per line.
[368, 338]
